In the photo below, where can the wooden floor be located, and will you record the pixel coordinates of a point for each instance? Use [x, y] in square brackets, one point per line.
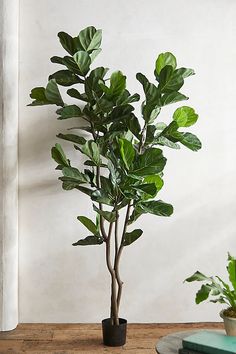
[86, 338]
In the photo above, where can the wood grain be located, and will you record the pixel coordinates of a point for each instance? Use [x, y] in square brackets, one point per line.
[87, 338]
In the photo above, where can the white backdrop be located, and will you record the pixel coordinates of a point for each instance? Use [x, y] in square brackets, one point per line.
[61, 283]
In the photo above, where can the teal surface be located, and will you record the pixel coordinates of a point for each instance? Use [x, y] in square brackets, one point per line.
[189, 351]
[210, 343]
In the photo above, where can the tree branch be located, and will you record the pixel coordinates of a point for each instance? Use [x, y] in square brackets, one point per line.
[118, 255]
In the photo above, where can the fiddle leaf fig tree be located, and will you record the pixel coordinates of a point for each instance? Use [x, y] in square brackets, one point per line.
[124, 159]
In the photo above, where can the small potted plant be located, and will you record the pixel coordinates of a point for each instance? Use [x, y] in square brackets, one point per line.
[124, 160]
[221, 292]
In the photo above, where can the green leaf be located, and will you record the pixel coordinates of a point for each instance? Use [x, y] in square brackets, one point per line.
[89, 224]
[74, 174]
[157, 207]
[59, 156]
[231, 268]
[166, 142]
[148, 188]
[170, 80]
[65, 78]
[101, 196]
[110, 216]
[133, 125]
[52, 93]
[197, 276]
[117, 85]
[203, 293]
[90, 38]
[154, 179]
[67, 42]
[191, 141]
[185, 116]
[152, 93]
[68, 185]
[38, 94]
[94, 54]
[173, 97]
[89, 240]
[73, 138]
[184, 72]
[91, 149]
[75, 94]
[130, 237]
[165, 78]
[127, 152]
[150, 162]
[83, 61]
[137, 212]
[165, 59]
[69, 112]
[85, 190]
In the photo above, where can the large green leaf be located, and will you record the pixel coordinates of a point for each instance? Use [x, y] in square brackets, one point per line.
[73, 138]
[68, 62]
[157, 207]
[166, 142]
[39, 97]
[117, 85]
[101, 196]
[110, 216]
[88, 241]
[137, 212]
[83, 61]
[151, 91]
[67, 42]
[171, 80]
[59, 156]
[130, 237]
[172, 97]
[185, 72]
[65, 78]
[133, 125]
[150, 162]
[69, 112]
[72, 174]
[75, 94]
[203, 293]
[90, 38]
[127, 152]
[148, 188]
[52, 93]
[165, 59]
[185, 116]
[154, 179]
[91, 149]
[89, 224]
[191, 141]
[231, 268]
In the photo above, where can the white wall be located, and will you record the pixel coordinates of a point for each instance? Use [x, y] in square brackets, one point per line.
[61, 283]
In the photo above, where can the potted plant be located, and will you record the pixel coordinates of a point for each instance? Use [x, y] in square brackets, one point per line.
[124, 160]
[221, 292]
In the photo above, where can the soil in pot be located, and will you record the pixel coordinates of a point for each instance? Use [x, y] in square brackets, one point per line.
[114, 335]
[230, 312]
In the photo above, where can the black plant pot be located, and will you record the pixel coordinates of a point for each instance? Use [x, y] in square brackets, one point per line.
[114, 335]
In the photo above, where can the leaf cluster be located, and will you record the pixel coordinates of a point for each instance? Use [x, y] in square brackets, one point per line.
[215, 288]
[124, 158]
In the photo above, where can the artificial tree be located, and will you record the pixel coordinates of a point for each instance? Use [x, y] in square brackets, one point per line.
[123, 167]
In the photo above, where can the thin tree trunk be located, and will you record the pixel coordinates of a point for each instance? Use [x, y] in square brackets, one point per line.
[114, 311]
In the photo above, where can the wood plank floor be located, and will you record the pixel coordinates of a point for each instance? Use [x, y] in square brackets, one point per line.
[86, 338]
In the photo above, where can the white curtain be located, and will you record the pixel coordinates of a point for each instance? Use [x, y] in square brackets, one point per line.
[8, 164]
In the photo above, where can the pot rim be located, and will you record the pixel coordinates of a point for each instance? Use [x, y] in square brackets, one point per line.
[228, 318]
